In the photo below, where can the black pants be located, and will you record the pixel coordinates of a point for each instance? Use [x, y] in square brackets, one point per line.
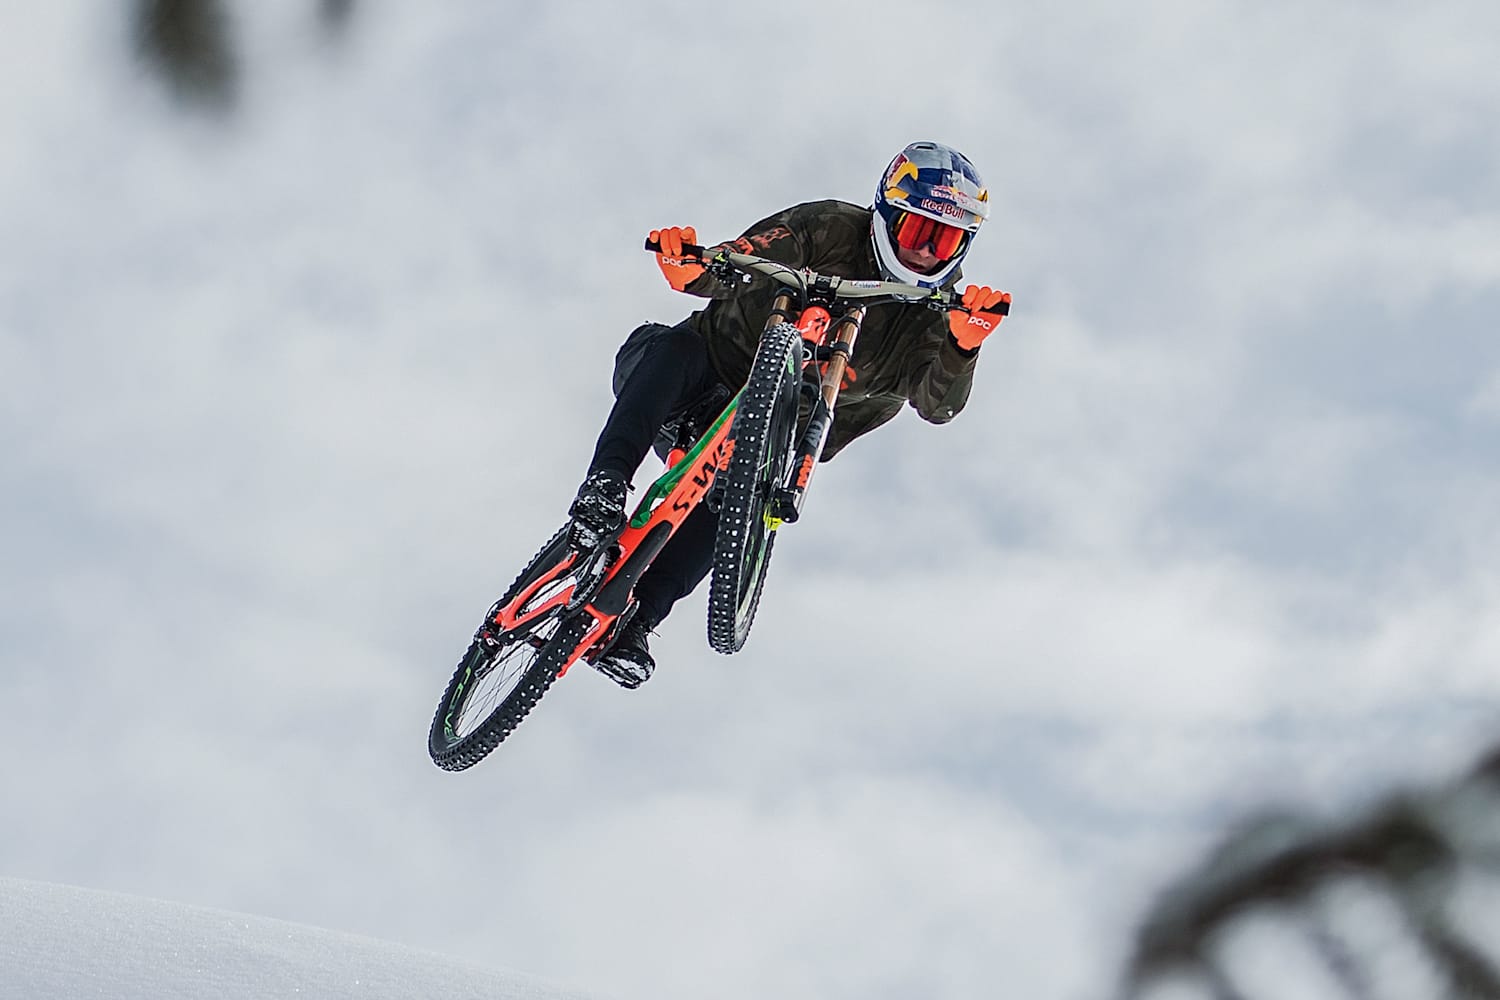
[662, 375]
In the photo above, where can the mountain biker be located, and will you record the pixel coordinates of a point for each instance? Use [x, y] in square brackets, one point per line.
[928, 205]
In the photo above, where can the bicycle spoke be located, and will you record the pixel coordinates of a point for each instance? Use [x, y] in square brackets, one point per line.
[498, 675]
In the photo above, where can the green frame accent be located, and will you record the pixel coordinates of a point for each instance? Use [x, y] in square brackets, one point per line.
[668, 480]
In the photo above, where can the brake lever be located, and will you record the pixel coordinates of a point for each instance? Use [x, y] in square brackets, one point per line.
[951, 301]
[718, 265]
[945, 302]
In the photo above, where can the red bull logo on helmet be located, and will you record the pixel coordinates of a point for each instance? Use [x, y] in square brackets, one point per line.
[944, 208]
[963, 198]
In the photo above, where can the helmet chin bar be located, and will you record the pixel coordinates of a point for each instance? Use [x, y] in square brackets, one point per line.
[885, 253]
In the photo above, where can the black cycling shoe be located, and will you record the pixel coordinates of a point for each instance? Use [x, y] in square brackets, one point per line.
[598, 511]
[628, 660]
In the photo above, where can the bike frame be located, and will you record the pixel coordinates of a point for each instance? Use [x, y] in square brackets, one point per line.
[690, 475]
[807, 302]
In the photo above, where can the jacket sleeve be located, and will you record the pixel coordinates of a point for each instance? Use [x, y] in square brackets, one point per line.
[939, 374]
[782, 237]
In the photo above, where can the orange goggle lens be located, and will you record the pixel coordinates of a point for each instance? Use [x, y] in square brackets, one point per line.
[912, 232]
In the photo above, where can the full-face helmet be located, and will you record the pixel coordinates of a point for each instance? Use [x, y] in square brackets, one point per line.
[929, 204]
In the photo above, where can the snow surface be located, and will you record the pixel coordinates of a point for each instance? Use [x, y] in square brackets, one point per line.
[67, 943]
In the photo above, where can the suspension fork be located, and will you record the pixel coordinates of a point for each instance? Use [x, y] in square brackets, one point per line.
[839, 337]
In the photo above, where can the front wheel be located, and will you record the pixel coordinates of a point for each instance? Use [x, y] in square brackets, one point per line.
[505, 672]
[764, 433]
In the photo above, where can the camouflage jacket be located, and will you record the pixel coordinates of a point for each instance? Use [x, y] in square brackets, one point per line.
[904, 353]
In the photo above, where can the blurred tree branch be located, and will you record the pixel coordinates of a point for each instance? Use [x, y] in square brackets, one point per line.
[336, 13]
[1415, 850]
[190, 44]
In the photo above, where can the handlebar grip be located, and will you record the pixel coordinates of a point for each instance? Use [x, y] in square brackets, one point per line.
[688, 249]
[1002, 307]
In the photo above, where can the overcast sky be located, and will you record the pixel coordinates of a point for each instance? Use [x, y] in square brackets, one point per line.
[287, 397]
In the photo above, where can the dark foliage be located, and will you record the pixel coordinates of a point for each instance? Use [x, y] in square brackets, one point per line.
[1415, 849]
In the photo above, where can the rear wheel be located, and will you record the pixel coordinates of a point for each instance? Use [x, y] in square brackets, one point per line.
[503, 674]
[764, 433]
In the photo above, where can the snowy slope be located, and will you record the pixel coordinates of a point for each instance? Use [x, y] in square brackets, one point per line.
[64, 943]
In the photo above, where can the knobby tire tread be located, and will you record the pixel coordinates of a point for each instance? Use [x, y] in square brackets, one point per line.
[732, 601]
[466, 751]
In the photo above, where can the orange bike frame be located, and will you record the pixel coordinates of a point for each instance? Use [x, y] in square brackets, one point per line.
[649, 529]
[679, 490]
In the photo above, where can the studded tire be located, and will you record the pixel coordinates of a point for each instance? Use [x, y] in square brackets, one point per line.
[501, 677]
[764, 433]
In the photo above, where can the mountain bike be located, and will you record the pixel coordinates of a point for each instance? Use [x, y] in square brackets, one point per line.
[755, 460]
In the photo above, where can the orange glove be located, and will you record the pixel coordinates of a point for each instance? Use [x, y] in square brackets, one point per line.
[679, 271]
[983, 309]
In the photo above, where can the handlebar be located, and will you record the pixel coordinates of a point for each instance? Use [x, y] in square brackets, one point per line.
[724, 263]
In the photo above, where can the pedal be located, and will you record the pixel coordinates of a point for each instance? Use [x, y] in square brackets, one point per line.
[588, 542]
[608, 639]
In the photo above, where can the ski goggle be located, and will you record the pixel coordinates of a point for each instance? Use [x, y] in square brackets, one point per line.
[913, 232]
